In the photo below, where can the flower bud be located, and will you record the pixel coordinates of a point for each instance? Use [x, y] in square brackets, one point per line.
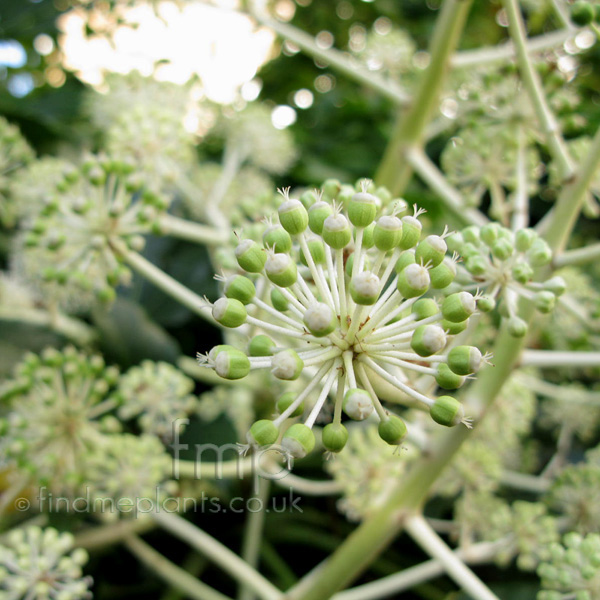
[425, 307]
[448, 379]
[442, 275]
[357, 404]
[502, 248]
[471, 234]
[544, 301]
[364, 288]
[298, 440]
[331, 188]
[287, 365]
[489, 233]
[334, 437]
[522, 272]
[336, 231]
[464, 360]
[582, 13]
[431, 250]
[362, 209]
[392, 430]
[458, 307]
[387, 233]
[320, 319]
[308, 199]
[214, 351]
[281, 270]
[476, 265]
[250, 256]
[279, 301]
[261, 345]
[524, 238]
[447, 411]
[455, 242]
[486, 304]
[317, 214]
[293, 216]
[406, 258]
[557, 285]
[286, 401]
[278, 238]
[411, 232]
[263, 433]
[229, 312]
[413, 281]
[231, 363]
[428, 339]
[239, 288]
[453, 328]
[540, 253]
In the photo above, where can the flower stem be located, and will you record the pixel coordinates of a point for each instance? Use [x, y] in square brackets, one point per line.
[418, 528]
[533, 85]
[171, 573]
[166, 283]
[192, 232]
[578, 257]
[395, 171]
[218, 553]
[555, 358]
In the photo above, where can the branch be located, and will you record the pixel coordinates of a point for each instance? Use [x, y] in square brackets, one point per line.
[192, 232]
[418, 528]
[171, 573]
[555, 358]
[218, 553]
[578, 257]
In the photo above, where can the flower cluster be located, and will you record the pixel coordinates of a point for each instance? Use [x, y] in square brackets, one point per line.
[502, 264]
[573, 570]
[35, 564]
[58, 430]
[157, 394]
[94, 214]
[15, 153]
[346, 308]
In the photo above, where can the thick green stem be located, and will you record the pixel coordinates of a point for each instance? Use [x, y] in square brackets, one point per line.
[578, 257]
[395, 170]
[192, 232]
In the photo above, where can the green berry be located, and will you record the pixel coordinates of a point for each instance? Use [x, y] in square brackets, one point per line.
[387, 233]
[357, 404]
[334, 437]
[458, 307]
[411, 232]
[428, 339]
[502, 248]
[582, 13]
[524, 238]
[431, 250]
[277, 238]
[476, 265]
[229, 312]
[250, 256]
[392, 430]
[425, 307]
[320, 319]
[239, 288]
[489, 233]
[516, 327]
[540, 253]
[362, 209]
[413, 281]
[522, 273]
[336, 231]
[317, 214]
[464, 360]
[447, 411]
[442, 275]
[261, 345]
[557, 285]
[287, 365]
[293, 216]
[471, 235]
[453, 328]
[364, 288]
[406, 258]
[279, 301]
[231, 363]
[263, 433]
[281, 270]
[298, 440]
[486, 304]
[448, 379]
[544, 301]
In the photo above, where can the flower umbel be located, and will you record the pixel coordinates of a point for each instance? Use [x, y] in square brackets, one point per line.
[346, 311]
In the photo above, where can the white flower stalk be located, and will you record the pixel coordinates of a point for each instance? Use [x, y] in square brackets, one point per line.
[343, 313]
[157, 394]
[35, 564]
[55, 401]
[71, 249]
[501, 264]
